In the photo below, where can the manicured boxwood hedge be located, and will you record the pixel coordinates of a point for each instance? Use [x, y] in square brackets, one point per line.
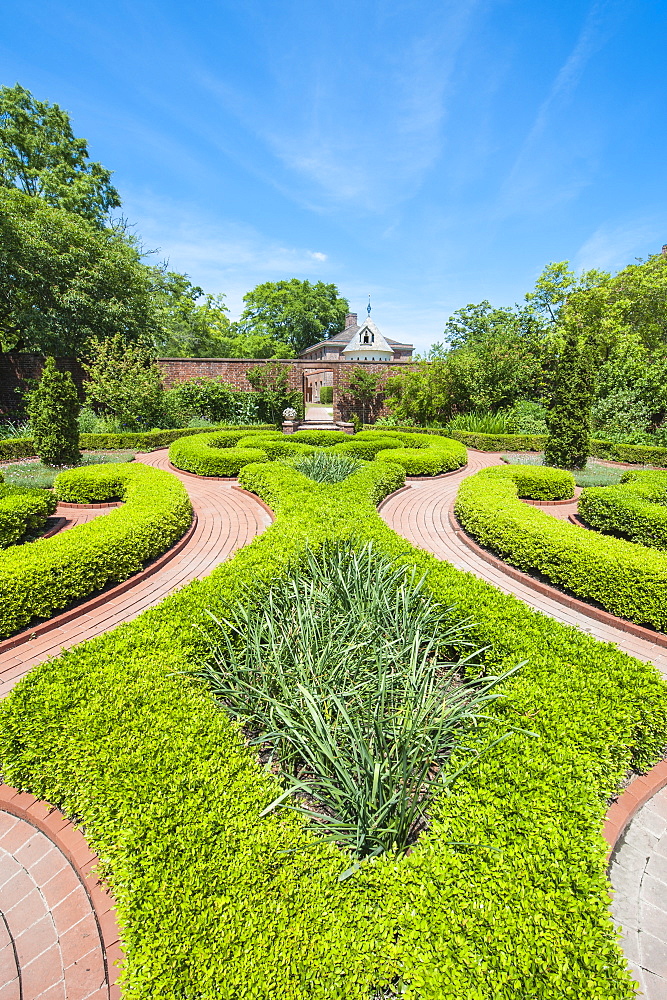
[418, 454]
[504, 897]
[636, 509]
[45, 576]
[22, 511]
[633, 453]
[225, 453]
[637, 454]
[12, 449]
[627, 579]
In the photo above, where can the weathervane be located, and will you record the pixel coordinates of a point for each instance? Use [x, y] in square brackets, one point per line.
[368, 308]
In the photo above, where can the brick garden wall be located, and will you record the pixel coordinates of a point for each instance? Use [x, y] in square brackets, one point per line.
[16, 368]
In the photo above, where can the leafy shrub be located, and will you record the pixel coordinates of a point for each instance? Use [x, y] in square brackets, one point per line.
[594, 473]
[213, 399]
[626, 579]
[636, 454]
[421, 454]
[527, 418]
[505, 897]
[22, 511]
[326, 467]
[47, 575]
[124, 382]
[320, 439]
[636, 509]
[481, 422]
[501, 442]
[367, 448]
[569, 417]
[326, 395]
[343, 676]
[53, 408]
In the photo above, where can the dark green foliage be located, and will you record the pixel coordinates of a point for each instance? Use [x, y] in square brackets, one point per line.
[326, 395]
[625, 578]
[214, 399]
[294, 311]
[505, 896]
[22, 512]
[569, 415]
[500, 442]
[636, 509]
[49, 574]
[53, 408]
[273, 394]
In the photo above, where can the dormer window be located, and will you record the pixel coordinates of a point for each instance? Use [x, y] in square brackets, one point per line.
[366, 340]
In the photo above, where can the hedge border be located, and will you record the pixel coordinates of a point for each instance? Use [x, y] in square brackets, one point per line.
[635, 509]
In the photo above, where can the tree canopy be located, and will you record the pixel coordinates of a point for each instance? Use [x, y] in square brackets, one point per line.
[64, 281]
[296, 312]
[41, 156]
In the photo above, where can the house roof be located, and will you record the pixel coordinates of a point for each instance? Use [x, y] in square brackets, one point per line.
[377, 341]
[346, 335]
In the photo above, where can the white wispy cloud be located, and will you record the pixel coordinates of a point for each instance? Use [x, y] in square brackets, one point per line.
[610, 248]
[223, 257]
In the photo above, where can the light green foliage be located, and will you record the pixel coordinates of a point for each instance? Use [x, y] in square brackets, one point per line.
[124, 381]
[40, 155]
[36, 475]
[49, 574]
[224, 453]
[294, 312]
[65, 281]
[569, 415]
[363, 390]
[504, 897]
[214, 399]
[367, 444]
[344, 675]
[636, 509]
[625, 578]
[22, 512]
[326, 466]
[53, 407]
[320, 439]
[420, 454]
[556, 284]
[326, 395]
[271, 385]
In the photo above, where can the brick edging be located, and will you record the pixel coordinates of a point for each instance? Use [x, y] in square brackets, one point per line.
[390, 496]
[89, 506]
[247, 493]
[440, 475]
[598, 614]
[31, 632]
[638, 792]
[68, 839]
[549, 503]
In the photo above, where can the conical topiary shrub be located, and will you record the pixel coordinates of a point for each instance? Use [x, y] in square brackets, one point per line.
[569, 415]
[53, 408]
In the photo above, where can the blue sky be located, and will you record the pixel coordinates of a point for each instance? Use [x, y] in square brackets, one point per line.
[428, 153]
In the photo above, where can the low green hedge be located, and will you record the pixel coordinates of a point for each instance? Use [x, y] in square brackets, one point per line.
[500, 442]
[367, 447]
[626, 579]
[421, 454]
[636, 509]
[637, 454]
[225, 453]
[320, 439]
[22, 511]
[505, 895]
[12, 449]
[46, 575]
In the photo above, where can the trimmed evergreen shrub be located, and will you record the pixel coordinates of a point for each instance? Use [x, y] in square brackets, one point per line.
[569, 415]
[53, 407]
[636, 509]
[23, 511]
[627, 579]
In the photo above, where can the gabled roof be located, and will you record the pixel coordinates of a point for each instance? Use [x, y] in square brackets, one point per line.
[377, 341]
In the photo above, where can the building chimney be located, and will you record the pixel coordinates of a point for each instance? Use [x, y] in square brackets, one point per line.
[350, 320]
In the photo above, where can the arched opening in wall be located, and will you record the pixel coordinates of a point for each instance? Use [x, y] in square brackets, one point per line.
[318, 390]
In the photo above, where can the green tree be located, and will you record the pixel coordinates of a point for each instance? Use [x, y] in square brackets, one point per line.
[125, 382]
[554, 286]
[53, 407]
[41, 156]
[295, 312]
[64, 282]
[569, 414]
[271, 383]
[364, 389]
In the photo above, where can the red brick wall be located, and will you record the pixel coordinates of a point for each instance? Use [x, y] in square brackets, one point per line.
[15, 368]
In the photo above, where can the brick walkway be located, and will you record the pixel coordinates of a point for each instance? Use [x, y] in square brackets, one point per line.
[50, 942]
[638, 872]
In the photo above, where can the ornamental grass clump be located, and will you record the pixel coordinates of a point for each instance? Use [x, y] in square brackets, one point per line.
[324, 466]
[351, 681]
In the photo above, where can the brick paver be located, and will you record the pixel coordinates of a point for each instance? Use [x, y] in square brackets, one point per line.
[51, 946]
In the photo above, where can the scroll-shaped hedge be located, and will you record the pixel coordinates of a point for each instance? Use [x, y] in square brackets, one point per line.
[636, 509]
[418, 454]
[23, 510]
[225, 453]
[625, 578]
[45, 576]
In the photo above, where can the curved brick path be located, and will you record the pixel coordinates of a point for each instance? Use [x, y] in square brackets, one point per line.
[638, 872]
[226, 520]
